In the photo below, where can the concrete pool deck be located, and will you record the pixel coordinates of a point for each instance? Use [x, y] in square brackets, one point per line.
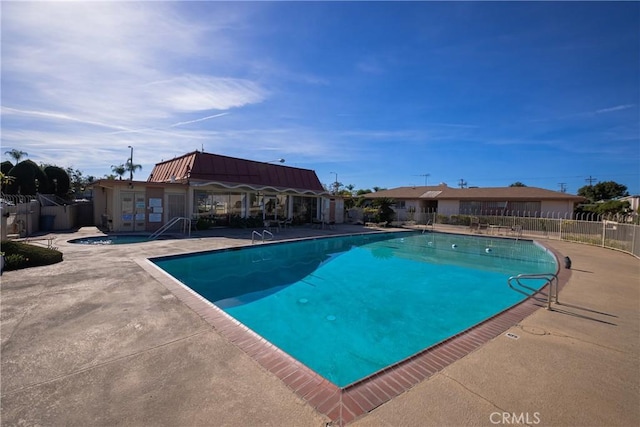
[97, 340]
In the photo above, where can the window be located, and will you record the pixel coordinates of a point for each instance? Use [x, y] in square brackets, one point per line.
[475, 207]
[217, 206]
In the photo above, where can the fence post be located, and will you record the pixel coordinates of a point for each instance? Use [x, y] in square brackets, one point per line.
[560, 229]
[604, 232]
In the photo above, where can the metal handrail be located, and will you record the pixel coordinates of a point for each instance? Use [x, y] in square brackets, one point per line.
[261, 235]
[428, 224]
[551, 280]
[173, 221]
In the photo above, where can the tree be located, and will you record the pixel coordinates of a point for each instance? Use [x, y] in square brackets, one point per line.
[29, 179]
[119, 170]
[132, 167]
[58, 181]
[5, 167]
[5, 180]
[517, 184]
[360, 200]
[336, 187]
[385, 212]
[79, 182]
[607, 190]
[16, 154]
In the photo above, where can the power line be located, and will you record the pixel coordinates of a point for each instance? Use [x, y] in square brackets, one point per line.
[590, 180]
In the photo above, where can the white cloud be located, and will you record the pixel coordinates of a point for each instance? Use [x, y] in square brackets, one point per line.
[616, 108]
[83, 80]
[113, 63]
[200, 93]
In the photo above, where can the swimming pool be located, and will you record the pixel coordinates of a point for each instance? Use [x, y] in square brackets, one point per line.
[348, 307]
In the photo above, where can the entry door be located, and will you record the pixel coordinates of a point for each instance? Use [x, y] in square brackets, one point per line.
[133, 211]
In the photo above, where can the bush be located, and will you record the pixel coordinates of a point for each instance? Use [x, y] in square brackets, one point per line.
[204, 224]
[22, 255]
[237, 221]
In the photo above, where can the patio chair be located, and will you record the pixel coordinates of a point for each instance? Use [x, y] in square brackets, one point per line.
[287, 223]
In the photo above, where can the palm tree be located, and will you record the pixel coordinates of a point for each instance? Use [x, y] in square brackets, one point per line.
[16, 154]
[119, 170]
[132, 167]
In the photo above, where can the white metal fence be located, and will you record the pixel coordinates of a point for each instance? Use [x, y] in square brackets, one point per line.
[614, 231]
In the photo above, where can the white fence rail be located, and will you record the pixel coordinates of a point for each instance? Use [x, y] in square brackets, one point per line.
[615, 231]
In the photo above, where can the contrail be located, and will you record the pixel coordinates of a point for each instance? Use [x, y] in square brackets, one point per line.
[198, 120]
[63, 117]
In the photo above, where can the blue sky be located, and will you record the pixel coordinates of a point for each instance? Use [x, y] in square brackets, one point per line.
[379, 93]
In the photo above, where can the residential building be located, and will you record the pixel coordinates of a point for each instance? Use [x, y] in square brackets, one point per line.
[522, 201]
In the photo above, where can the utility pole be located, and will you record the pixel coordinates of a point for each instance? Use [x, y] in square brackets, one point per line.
[590, 180]
[462, 183]
[131, 164]
[563, 187]
[426, 177]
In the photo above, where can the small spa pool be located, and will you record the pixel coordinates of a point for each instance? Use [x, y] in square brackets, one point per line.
[115, 239]
[347, 307]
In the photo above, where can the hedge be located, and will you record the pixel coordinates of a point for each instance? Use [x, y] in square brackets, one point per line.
[19, 255]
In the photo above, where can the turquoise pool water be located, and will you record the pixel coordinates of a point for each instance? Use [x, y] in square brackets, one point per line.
[112, 240]
[348, 307]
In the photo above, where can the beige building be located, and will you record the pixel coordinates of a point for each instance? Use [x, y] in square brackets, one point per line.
[519, 201]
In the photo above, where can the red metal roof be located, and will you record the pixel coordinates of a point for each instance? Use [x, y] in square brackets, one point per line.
[233, 172]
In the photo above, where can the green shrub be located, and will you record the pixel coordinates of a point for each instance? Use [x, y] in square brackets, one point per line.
[204, 224]
[22, 255]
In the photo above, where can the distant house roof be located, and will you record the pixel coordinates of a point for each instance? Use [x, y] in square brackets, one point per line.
[442, 192]
[231, 172]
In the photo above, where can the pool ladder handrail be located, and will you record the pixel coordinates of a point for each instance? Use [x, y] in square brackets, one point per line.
[186, 226]
[551, 280]
[261, 235]
[427, 225]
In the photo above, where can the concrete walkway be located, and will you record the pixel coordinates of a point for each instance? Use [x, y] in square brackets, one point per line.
[96, 340]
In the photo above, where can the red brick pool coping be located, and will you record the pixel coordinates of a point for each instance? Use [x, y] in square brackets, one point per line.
[344, 405]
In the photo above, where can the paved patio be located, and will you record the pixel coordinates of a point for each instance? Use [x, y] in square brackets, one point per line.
[97, 340]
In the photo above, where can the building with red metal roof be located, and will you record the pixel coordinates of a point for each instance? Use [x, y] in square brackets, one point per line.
[214, 190]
